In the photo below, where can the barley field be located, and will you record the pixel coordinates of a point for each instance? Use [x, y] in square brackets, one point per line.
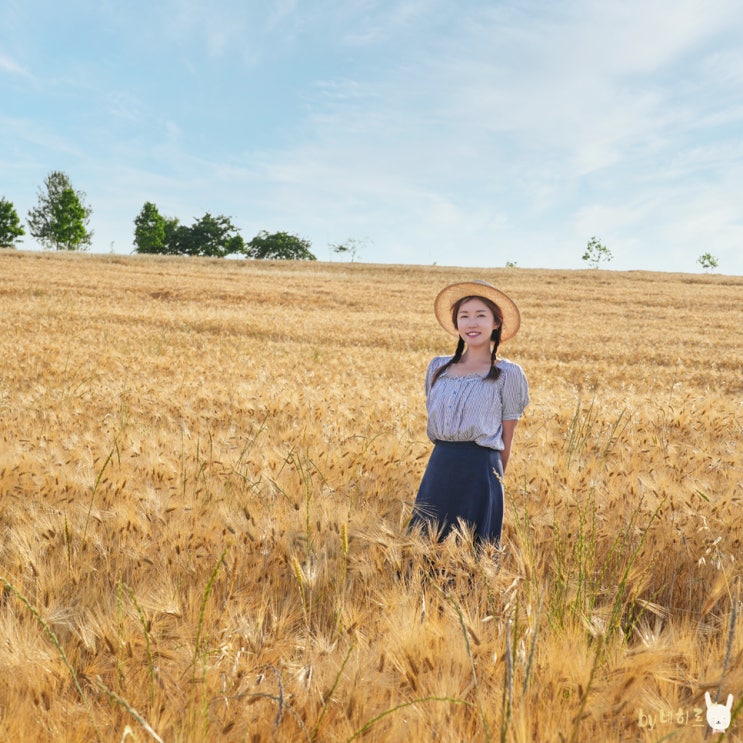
[207, 468]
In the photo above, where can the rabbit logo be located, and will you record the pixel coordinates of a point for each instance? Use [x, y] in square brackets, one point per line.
[718, 715]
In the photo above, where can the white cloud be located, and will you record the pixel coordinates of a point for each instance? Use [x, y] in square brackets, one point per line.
[40, 135]
[457, 133]
[11, 67]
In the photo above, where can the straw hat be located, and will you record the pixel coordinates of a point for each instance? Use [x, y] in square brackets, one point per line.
[451, 294]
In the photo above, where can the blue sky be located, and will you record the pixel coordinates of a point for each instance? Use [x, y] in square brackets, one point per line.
[460, 132]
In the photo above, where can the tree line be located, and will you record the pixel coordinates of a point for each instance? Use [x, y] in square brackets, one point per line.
[61, 218]
[60, 221]
[212, 236]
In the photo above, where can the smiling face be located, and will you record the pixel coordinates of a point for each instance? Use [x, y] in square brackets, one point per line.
[475, 318]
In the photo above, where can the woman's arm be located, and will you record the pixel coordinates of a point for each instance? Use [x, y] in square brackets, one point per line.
[508, 429]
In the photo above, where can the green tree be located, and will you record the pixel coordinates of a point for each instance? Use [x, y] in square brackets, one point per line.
[176, 237]
[69, 218]
[11, 228]
[596, 253]
[214, 236]
[279, 246]
[60, 221]
[707, 261]
[149, 230]
[209, 236]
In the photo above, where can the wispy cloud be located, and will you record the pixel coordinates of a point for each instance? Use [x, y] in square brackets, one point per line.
[463, 133]
[42, 136]
[11, 67]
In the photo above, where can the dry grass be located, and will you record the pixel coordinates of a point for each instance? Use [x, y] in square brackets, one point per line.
[206, 468]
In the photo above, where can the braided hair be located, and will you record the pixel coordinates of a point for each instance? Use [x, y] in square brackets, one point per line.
[494, 371]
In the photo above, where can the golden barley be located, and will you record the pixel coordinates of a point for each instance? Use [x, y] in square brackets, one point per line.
[207, 469]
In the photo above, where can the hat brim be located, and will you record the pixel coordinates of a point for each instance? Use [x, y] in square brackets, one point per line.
[450, 295]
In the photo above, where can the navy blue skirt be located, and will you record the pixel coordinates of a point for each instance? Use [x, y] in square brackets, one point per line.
[462, 481]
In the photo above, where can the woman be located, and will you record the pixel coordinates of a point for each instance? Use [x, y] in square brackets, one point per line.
[474, 401]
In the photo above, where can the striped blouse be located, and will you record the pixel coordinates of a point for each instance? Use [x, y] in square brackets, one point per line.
[472, 408]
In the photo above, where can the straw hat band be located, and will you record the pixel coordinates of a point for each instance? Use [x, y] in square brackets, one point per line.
[451, 294]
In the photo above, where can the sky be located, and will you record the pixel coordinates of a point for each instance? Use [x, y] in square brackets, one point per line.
[474, 133]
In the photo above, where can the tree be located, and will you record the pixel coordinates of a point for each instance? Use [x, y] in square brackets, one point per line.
[350, 247]
[596, 253]
[209, 236]
[149, 230]
[60, 221]
[176, 237]
[69, 219]
[707, 261]
[10, 225]
[214, 236]
[280, 246]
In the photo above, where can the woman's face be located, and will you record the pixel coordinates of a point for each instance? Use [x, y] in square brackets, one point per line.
[475, 322]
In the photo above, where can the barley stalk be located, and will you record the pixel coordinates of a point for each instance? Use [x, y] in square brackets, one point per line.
[55, 641]
[133, 712]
